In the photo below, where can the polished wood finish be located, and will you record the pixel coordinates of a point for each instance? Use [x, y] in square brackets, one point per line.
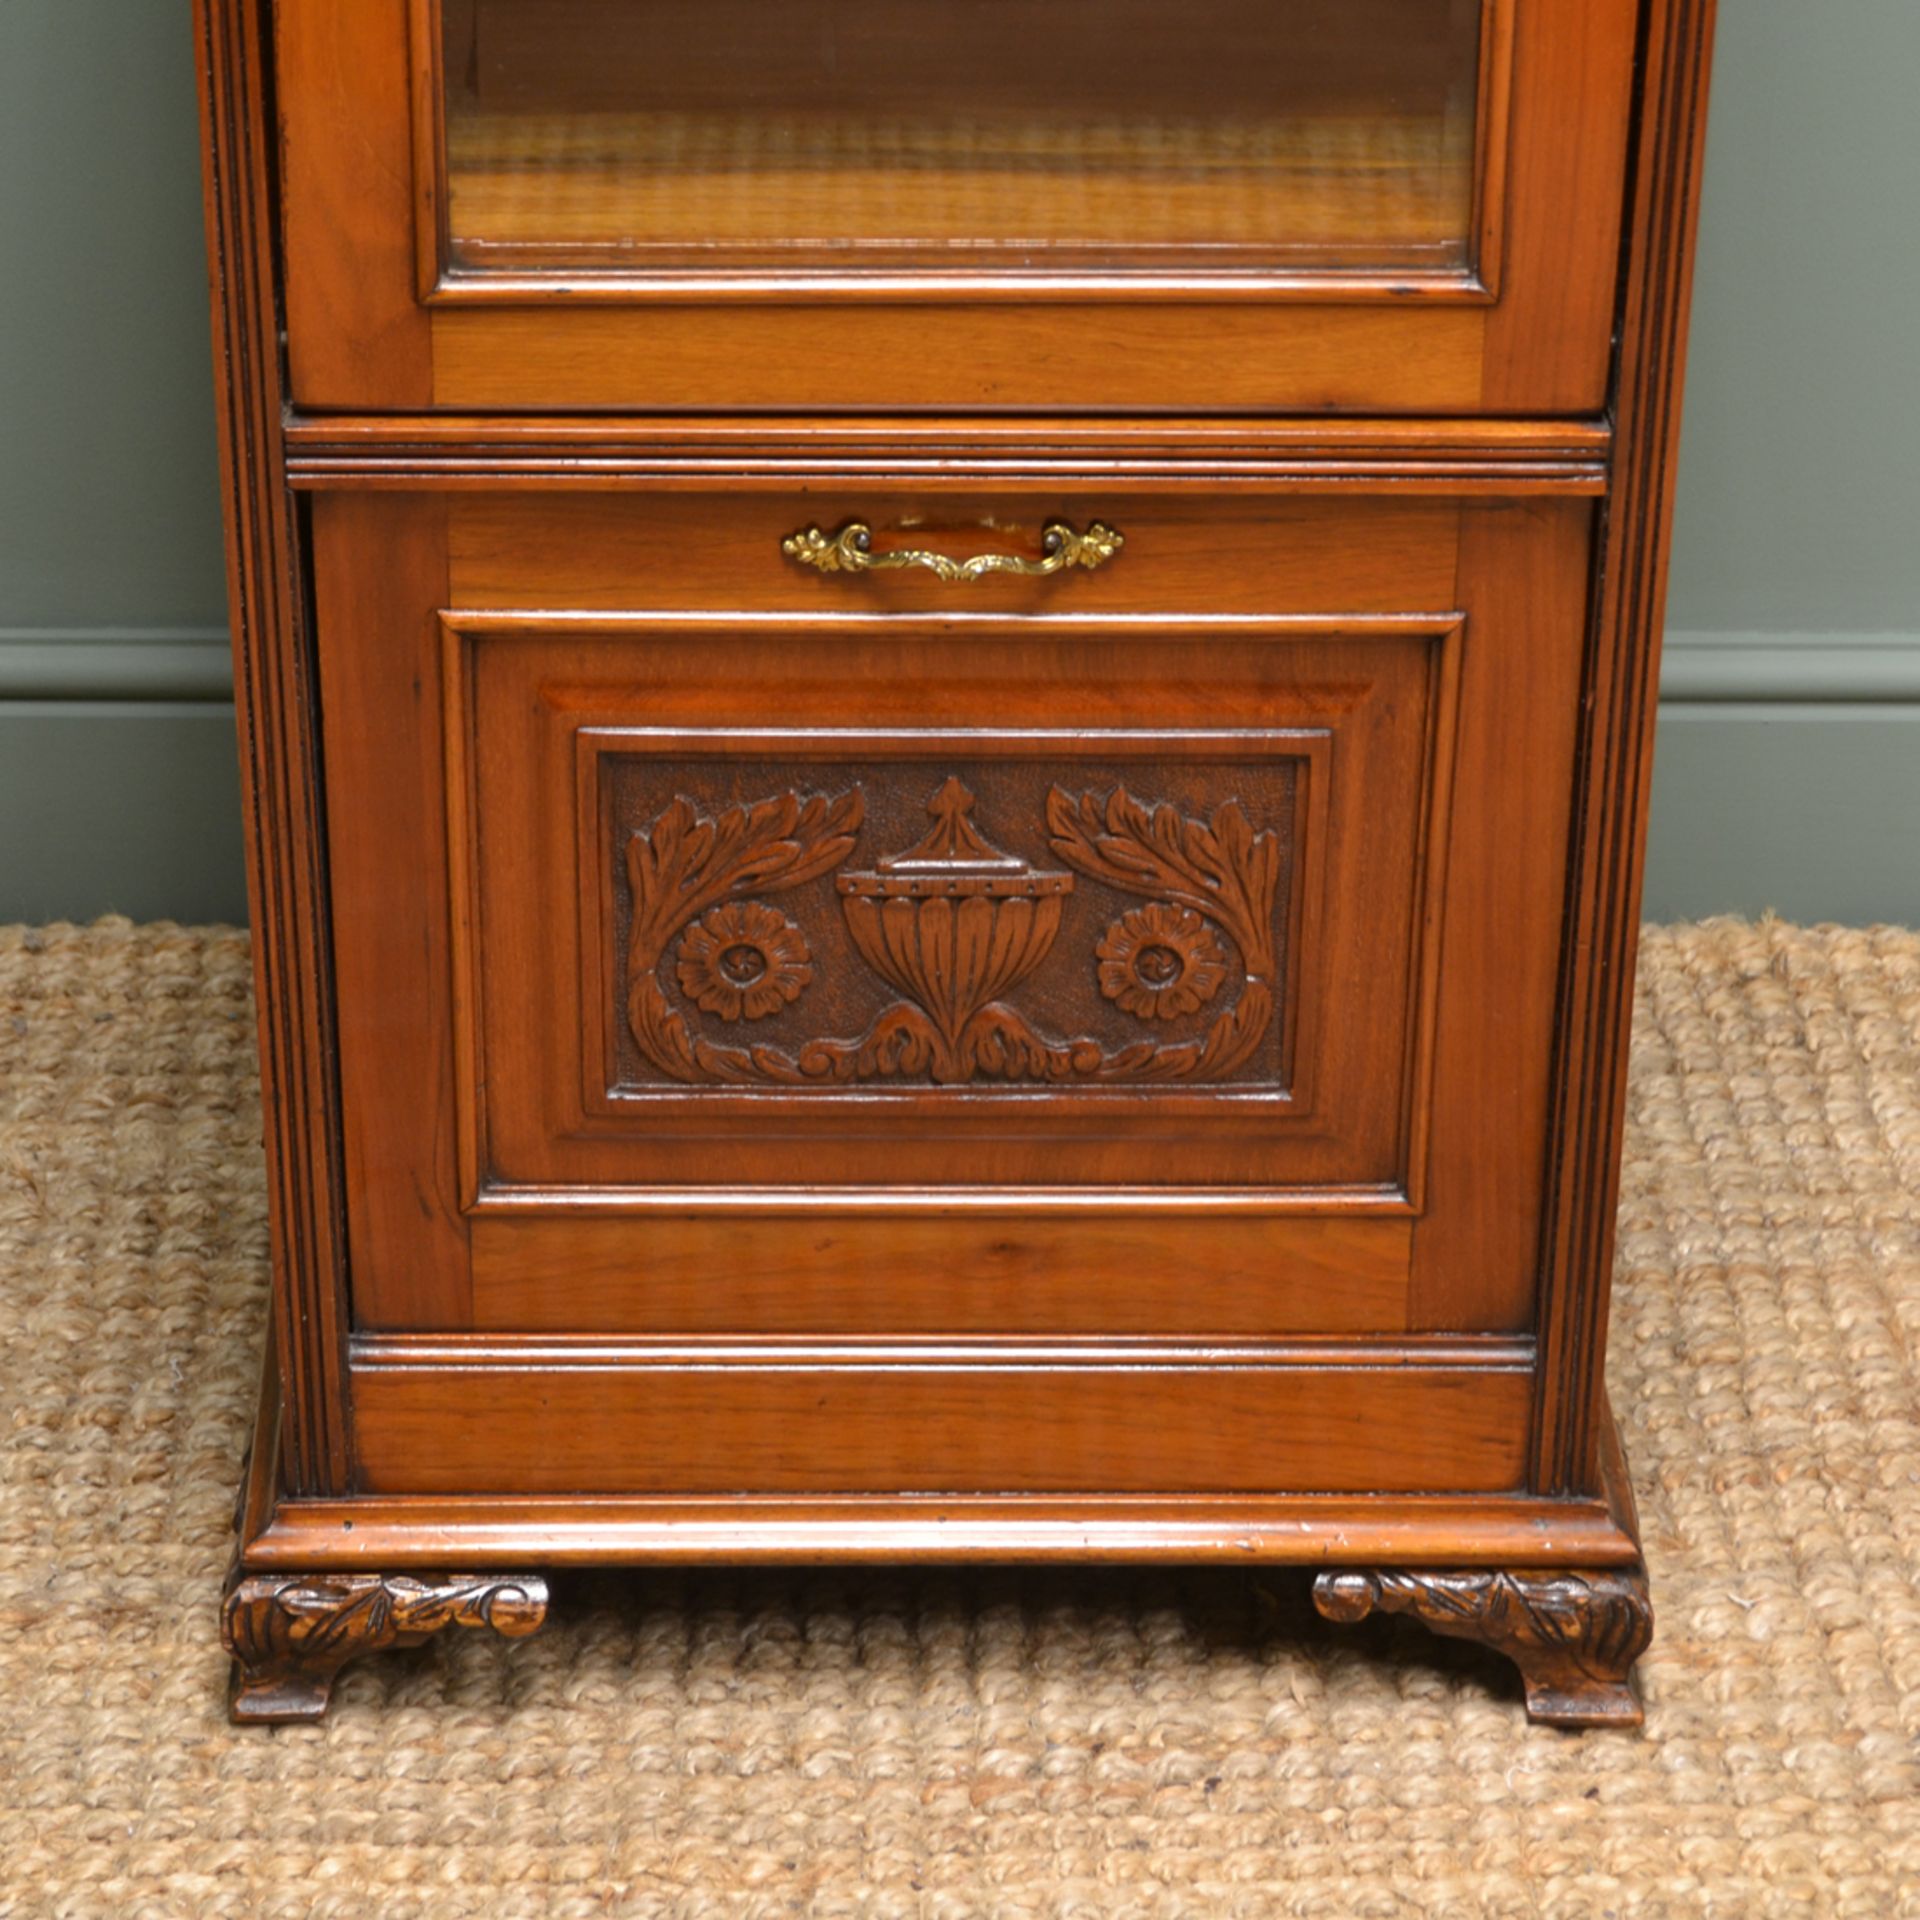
[1451, 458]
[932, 1417]
[771, 1061]
[382, 1531]
[761, 1262]
[291, 1635]
[346, 106]
[1430, 717]
[390, 966]
[1282, 1052]
[1513, 802]
[279, 756]
[1192, 551]
[1272, 1530]
[1574, 1636]
[1619, 707]
[382, 316]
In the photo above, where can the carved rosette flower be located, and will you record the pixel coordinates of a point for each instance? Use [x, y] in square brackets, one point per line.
[1159, 962]
[744, 960]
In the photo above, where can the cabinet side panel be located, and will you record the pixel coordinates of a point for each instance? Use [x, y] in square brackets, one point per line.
[1616, 756]
[273, 695]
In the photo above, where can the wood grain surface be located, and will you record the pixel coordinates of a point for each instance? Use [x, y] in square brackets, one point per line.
[1456, 256]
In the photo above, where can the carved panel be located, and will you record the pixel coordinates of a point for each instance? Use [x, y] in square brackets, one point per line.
[825, 909]
[1011, 923]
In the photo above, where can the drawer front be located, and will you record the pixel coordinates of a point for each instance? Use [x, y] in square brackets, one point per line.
[1376, 205]
[729, 947]
[1045, 1418]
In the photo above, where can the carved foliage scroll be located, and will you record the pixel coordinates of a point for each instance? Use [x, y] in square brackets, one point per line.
[687, 862]
[1574, 1636]
[1220, 869]
[290, 1635]
[953, 926]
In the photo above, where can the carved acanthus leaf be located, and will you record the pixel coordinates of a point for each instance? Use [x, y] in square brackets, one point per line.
[1574, 1636]
[290, 1634]
[685, 862]
[952, 925]
[1219, 867]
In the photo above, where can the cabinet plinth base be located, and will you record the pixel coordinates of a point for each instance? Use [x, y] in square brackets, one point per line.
[1574, 1636]
[1559, 1588]
[290, 1635]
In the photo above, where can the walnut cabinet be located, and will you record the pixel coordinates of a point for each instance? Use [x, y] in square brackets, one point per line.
[946, 715]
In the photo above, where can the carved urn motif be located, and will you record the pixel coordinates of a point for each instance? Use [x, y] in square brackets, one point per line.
[953, 923]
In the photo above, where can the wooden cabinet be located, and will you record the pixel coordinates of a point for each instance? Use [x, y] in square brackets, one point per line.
[946, 715]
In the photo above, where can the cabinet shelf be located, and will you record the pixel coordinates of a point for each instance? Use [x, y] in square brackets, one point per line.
[608, 191]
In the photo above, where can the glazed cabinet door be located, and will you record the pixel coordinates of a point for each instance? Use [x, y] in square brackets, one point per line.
[1381, 205]
[788, 986]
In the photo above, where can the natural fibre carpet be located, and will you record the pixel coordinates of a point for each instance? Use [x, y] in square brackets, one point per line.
[1000, 1744]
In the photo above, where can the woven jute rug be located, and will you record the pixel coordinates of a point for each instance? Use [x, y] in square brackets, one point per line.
[957, 1744]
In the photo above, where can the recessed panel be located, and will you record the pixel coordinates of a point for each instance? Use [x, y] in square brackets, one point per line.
[1071, 914]
[1093, 908]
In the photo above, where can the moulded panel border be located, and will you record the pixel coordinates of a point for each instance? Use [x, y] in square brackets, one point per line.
[1312, 748]
[481, 1191]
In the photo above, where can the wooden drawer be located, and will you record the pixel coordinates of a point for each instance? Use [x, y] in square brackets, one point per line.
[1401, 206]
[730, 949]
[795, 1418]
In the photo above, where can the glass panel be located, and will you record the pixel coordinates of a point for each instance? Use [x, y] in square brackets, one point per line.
[627, 135]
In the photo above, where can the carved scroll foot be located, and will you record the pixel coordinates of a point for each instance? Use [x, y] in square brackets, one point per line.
[291, 1634]
[1574, 1636]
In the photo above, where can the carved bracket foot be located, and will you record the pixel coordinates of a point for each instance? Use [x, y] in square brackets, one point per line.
[1574, 1636]
[291, 1634]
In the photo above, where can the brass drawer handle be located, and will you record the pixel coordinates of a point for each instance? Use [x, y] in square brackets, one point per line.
[851, 551]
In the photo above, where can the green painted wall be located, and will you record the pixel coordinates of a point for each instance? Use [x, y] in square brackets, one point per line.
[1789, 765]
[117, 767]
[1789, 772]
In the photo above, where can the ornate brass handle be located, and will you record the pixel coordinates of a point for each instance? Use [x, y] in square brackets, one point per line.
[851, 551]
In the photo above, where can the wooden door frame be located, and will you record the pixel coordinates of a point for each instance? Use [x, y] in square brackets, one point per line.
[377, 324]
